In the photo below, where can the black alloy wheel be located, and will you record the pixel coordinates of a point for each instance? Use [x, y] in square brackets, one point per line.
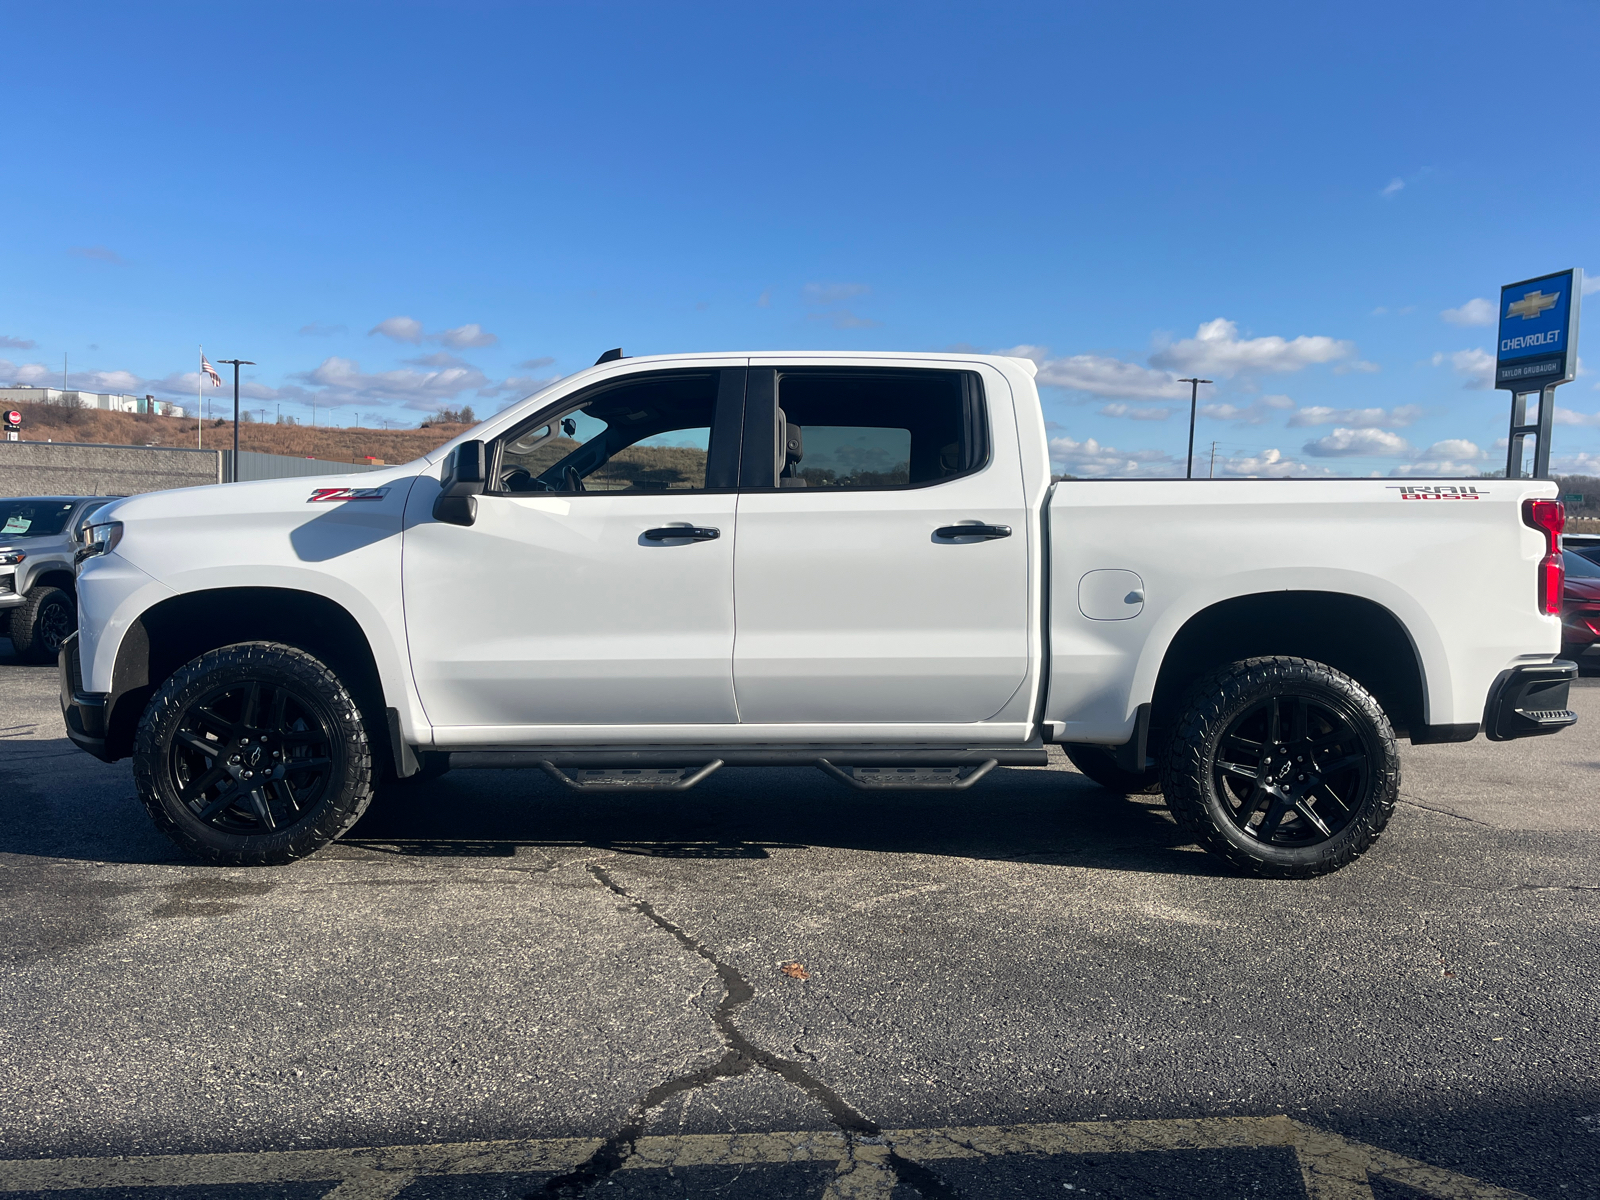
[45, 618]
[253, 757]
[1283, 766]
[1294, 770]
[253, 754]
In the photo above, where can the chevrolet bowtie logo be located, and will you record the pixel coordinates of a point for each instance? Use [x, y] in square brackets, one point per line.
[1531, 305]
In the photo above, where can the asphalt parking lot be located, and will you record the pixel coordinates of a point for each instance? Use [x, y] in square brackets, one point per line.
[774, 986]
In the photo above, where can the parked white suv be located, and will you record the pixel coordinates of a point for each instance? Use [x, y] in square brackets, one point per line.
[660, 566]
[38, 538]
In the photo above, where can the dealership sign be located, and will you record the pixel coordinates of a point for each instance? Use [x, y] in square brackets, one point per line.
[1538, 332]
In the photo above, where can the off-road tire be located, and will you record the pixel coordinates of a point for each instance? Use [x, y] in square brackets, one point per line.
[1192, 777]
[44, 619]
[216, 678]
[1099, 764]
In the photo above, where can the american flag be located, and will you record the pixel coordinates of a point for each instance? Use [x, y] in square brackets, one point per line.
[216, 380]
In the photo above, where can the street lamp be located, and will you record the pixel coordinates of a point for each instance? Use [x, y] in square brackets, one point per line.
[233, 475]
[1194, 394]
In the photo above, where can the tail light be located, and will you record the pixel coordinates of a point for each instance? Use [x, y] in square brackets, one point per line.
[1551, 517]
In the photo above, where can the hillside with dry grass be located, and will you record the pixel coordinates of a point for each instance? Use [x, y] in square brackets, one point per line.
[51, 423]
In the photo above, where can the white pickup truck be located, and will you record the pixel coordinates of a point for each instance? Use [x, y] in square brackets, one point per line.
[659, 566]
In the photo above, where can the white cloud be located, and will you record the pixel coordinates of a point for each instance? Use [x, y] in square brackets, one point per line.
[1567, 416]
[1477, 311]
[1591, 283]
[1436, 470]
[533, 364]
[409, 330]
[341, 381]
[98, 254]
[843, 318]
[1382, 418]
[832, 293]
[1343, 443]
[1476, 366]
[518, 386]
[12, 343]
[1393, 186]
[1109, 377]
[1583, 463]
[1452, 449]
[1270, 464]
[320, 329]
[1134, 413]
[465, 337]
[401, 329]
[1089, 457]
[1258, 413]
[1217, 349]
[1366, 368]
[765, 299]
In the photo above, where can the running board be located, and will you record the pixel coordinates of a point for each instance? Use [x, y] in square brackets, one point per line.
[907, 779]
[616, 757]
[631, 779]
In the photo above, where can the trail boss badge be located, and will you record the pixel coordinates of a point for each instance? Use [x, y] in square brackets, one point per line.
[1412, 491]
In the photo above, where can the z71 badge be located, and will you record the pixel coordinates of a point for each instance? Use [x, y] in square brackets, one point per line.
[319, 494]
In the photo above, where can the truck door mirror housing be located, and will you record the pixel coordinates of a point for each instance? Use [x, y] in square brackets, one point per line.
[461, 484]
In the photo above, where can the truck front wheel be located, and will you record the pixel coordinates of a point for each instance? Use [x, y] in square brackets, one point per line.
[253, 755]
[1285, 767]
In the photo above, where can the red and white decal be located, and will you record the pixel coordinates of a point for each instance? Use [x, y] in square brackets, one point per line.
[1412, 491]
[321, 494]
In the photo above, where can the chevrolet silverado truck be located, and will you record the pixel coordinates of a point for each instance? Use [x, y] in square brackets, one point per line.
[38, 546]
[660, 566]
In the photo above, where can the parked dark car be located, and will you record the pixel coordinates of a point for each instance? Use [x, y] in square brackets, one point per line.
[1580, 609]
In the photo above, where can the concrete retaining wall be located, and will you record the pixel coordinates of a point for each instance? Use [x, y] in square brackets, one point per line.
[82, 469]
[78, 469]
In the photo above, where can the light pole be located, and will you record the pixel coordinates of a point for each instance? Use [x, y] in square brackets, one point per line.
[1194, 394]
[233, 475]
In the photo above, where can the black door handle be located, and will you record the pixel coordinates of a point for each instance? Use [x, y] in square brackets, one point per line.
[683, 533]
[986, 532]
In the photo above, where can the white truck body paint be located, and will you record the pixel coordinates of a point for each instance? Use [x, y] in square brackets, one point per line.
[824, 616]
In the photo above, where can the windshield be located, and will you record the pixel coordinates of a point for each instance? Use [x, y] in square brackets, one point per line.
[33, 518]
[1579, 567]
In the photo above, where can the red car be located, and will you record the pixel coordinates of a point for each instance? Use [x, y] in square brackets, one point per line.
[1580, 607]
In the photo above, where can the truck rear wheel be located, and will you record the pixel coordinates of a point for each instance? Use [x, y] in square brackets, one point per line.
[1283, 766]
[1099, 764]
[44, 619]
[253, 755]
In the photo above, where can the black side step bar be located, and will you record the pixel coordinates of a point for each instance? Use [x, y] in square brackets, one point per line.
[631, 779]
[907, 779]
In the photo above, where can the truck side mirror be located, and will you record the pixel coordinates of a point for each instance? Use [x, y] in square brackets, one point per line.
[461, 483]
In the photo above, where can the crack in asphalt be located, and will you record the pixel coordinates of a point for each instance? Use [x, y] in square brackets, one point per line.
[1443, 812]
[740, 1058]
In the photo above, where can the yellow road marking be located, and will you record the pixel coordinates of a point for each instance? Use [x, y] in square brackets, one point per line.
[1332, 1167]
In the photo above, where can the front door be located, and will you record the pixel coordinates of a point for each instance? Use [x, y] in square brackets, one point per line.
[572, 600]
[852, 605]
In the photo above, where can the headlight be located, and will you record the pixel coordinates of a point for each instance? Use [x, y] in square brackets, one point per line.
[10, 558]
[98, 539]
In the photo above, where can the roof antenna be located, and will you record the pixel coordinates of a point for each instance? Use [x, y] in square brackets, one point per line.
[610, 356]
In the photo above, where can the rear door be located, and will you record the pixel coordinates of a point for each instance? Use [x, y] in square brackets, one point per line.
[858, 597]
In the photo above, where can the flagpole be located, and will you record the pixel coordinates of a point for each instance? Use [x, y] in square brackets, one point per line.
[199, 392]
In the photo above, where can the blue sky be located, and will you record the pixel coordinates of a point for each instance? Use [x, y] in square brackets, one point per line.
[393, 207]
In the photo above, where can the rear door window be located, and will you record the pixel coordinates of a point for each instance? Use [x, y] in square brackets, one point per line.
[862, 428]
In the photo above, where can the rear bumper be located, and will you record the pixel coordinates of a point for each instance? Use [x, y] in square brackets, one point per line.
[84, 712]
[1529, 701]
